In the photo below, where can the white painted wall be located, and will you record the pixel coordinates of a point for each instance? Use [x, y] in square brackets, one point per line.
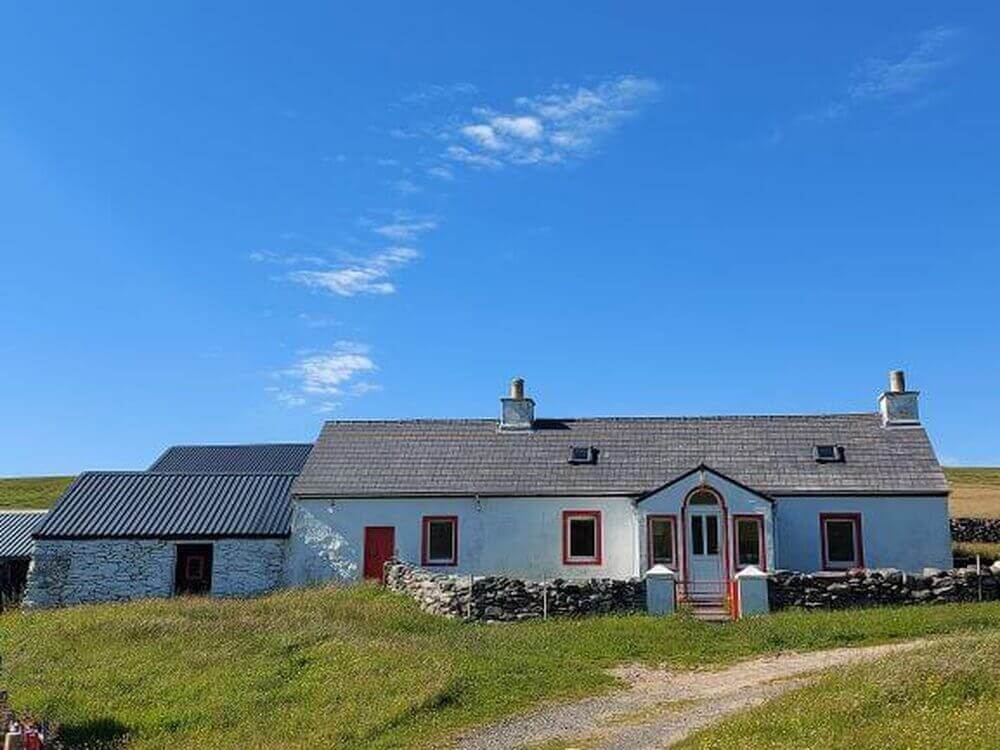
[509, 536]
[908, 533]
[73, 572]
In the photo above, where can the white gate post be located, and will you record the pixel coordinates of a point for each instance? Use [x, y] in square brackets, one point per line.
[751, 592]
[661, 592]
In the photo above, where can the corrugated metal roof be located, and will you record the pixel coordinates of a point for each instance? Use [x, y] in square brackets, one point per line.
[16, 527]
[154, 505]
[773, 454]
[266, 458]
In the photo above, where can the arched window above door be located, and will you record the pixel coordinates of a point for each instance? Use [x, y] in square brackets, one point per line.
[703, 497]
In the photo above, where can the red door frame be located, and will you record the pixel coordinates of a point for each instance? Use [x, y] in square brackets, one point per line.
[375, 542]
[761, 539]
[723, 542]
[672, 517]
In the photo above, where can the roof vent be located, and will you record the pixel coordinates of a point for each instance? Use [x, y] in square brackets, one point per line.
[516, 411]
[582, 454]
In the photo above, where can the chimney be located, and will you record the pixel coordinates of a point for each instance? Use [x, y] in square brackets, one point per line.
[516, 411]
[898, 405]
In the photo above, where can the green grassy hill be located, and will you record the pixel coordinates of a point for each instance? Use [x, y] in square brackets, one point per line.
[31, 492]
[363, 668]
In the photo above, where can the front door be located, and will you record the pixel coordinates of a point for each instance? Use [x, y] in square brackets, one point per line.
[380, 546]
[705, 564]
[193, 574]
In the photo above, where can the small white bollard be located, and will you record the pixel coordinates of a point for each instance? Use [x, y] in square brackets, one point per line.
[751, 592]
[661, 591]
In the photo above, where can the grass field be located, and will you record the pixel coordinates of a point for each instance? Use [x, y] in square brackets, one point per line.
[363, 668]
[31, 492]
[944, 696]
[975, 492]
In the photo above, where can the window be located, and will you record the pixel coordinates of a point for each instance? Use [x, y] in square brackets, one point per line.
[582, 454]
[749, 541]
[827, 454]
[841, 541]
[440, 543]
[661, 540]
[582, 537]
[704, 535]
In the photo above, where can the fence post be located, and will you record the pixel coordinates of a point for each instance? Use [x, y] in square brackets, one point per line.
[661, 592]
[545, 600]
[751, 592]
[979, 577]
[468, 610]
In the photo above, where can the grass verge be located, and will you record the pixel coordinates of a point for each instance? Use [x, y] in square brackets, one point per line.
[363, 668]
[944, 696]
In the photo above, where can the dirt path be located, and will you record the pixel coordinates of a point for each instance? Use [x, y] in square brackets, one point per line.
[661, 707]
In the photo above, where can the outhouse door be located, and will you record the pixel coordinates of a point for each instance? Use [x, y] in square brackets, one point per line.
[194, 569]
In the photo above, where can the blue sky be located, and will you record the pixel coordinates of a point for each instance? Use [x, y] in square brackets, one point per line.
[226, 225]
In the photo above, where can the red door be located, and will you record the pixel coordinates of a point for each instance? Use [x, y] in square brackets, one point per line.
[380, 545]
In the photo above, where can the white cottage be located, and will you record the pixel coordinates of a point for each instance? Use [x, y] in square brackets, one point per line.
[544, 498]
[537, 498]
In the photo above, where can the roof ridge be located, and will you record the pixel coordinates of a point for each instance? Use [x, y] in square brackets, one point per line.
[142, 473]
[237, 445]
[611, 418]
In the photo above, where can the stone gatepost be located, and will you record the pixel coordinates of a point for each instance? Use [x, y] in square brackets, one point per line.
[661, 592]
[751, 592]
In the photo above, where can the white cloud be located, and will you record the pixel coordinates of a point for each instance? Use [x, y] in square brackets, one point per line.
[465, 156]
[403, 228]
[326, 375]
[549, 128]
[528, 128]
[878, 79]
[366, 276]
[287, 259]
[441, 172]
[484, 135]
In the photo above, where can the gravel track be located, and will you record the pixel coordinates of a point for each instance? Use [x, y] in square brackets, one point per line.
[660, 707]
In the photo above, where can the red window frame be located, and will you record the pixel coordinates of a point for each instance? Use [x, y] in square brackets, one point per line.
[859, 546]
[425, 531]
[598, 558]
[650, 562]
[761, 546]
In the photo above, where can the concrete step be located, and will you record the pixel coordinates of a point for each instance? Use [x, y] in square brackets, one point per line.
[711, 611]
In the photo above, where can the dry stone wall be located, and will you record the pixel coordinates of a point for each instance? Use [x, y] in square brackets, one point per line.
[501, 599]
[872, 588]
[975, 530]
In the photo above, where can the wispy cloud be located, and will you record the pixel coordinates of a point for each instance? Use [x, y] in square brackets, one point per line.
[404, 228]
[565, 123]
[287, 259]
[366, 276]
[882, 79]
[435, 92]
[326, 375]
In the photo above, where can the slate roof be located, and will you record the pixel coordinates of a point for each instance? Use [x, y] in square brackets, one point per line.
[16, 527]
[165, 505]
[269, 458]
[772, 454]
